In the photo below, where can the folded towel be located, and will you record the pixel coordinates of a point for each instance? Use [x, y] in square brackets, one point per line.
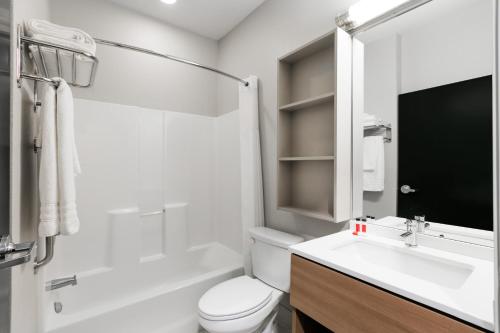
[369, 120]
[59, 163]
[57, 34]
[373, 163]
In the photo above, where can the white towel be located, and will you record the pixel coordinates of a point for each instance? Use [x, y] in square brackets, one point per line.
[58, 34]
[48, 184]
[369, 119]
[58, 164]
[373, 163]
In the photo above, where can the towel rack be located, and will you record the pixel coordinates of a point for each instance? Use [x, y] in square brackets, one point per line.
[23, 47]
[386, 128]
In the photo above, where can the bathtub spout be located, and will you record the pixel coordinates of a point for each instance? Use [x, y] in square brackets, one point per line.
[60, 283]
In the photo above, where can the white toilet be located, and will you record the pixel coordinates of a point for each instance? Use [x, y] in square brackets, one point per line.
[246, 305]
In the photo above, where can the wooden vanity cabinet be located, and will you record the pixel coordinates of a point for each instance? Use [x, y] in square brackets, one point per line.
[326, 300]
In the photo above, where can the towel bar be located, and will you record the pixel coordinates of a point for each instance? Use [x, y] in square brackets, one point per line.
[387, 128]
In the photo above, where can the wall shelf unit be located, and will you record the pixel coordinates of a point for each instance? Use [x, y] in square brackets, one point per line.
[314, 129]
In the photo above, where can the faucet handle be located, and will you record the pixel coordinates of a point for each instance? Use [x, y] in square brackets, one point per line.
[410, 224]
[421, 224]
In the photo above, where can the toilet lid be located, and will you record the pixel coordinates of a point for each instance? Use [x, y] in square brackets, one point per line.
[235, 298]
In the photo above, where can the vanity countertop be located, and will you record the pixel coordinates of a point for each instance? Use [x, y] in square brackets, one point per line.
[453, 283]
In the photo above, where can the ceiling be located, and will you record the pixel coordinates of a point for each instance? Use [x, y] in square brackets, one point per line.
[209, 18]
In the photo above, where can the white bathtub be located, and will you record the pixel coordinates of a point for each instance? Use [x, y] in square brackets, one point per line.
[156, 296]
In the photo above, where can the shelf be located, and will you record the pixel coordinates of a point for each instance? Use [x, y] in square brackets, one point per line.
[307, 158]
[76, 67]
[309, 213]
[324, 98]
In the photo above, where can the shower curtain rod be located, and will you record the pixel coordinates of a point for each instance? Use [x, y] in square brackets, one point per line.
[167, 56]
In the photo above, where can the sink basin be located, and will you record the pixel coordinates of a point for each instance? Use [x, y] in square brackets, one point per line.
[444, 272]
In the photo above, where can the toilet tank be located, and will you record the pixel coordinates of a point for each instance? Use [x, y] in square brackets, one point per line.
[270, 256]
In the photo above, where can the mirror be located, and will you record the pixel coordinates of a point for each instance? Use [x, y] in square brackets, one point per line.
[426, 120]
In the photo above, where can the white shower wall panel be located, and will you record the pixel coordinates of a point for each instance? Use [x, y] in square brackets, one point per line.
[151, 153]
[108, 146]
[140, 160]
[188, 168]
[228, 181]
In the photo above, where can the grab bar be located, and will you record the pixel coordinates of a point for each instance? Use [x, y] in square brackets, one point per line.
[155, 212]
[49, 253]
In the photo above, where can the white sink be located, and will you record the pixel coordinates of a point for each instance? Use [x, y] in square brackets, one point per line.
[449, 281]
[444, 272]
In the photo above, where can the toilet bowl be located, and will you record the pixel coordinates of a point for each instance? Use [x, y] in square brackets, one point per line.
[245, 304]
[239, 305]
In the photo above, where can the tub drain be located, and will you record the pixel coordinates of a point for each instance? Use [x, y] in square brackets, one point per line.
[58, 307]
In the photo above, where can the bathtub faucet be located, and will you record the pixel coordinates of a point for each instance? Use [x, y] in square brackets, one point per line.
[60, 283]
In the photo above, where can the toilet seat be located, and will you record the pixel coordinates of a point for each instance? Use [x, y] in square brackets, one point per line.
[235, 298]
[244, 321]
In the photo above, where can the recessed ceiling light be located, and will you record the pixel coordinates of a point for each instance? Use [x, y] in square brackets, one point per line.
[169, 2]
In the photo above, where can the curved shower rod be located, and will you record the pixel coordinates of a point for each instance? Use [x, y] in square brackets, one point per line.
[167, 56]
[38, 43]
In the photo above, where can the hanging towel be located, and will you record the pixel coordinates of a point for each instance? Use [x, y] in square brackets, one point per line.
[48, 184]
[373, 163]
[57, 34]
[59, 163]
[252, 197]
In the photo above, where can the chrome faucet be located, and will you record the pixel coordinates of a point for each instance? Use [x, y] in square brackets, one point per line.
[421, 224]
[413, 228]
[60, 283]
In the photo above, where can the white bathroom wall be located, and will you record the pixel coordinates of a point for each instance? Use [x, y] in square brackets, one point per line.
[24, 283]
[253, 47]
[130, 78]
[144, 161]
[457, 47]
[433, 53]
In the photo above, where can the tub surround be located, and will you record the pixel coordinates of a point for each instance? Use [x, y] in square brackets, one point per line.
[454, 278]
[151, 224]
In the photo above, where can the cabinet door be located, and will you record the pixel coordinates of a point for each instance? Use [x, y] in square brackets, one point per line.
[346, 305]
[343, 127]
